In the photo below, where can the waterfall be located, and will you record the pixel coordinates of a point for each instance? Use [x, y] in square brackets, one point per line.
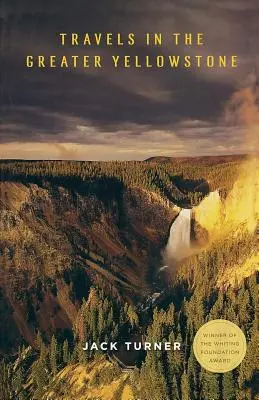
[179, 243]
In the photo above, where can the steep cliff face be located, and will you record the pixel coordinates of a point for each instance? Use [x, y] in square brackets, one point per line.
[56, 242]
[43, 228]
[60, 236]
[100, 379]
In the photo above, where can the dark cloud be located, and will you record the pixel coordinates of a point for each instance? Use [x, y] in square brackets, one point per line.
[52, 105]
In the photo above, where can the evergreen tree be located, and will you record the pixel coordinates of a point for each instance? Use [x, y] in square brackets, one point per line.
[210, 386]
[5, 387]
[53, 355]
[65, 352]
[40, 375]
[228, 386]
[133, 317]
[152, 379]
[174, 389]
[185, 387]
[17, 381]
[193, 375]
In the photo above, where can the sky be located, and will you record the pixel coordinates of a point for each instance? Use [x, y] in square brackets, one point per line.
[125, 114]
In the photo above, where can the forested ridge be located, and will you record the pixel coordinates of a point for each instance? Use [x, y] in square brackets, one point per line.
[178, 181]
[58, 264]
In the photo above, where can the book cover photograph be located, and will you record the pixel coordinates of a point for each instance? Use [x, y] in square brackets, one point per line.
[129, 200]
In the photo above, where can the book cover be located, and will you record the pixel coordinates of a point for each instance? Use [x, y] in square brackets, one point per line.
[129, 200]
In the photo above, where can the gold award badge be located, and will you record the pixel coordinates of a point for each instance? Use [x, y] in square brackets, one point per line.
[219, 346]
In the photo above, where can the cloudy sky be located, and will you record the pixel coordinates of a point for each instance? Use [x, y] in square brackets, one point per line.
[128, 113]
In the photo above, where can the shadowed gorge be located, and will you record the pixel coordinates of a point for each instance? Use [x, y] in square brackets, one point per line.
[82, 245]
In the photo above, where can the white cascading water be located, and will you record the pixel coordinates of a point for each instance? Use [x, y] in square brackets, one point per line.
[179, 243]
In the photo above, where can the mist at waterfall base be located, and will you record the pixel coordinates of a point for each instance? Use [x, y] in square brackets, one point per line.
[239, 212]
[233, 217]
[179, 244]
